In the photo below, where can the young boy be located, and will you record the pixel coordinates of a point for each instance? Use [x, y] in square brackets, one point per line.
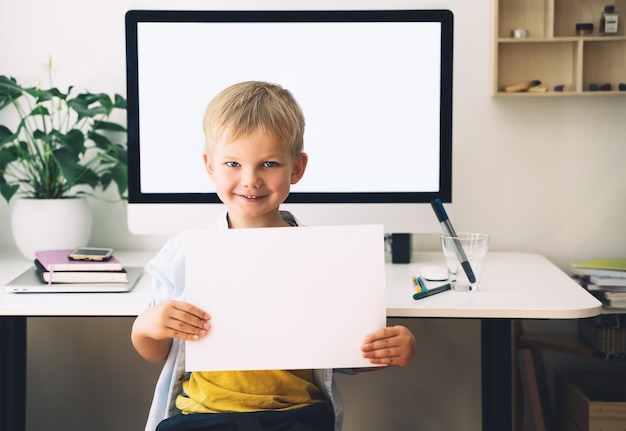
[253, 153]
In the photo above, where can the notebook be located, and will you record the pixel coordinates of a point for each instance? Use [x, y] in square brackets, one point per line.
[57, 260]
[30, 282]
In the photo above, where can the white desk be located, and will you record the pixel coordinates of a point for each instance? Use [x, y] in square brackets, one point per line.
[79, 304]
[514, 285]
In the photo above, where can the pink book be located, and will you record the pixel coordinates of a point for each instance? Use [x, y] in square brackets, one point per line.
[57, 260]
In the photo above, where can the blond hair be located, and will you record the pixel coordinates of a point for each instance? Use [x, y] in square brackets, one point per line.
[247, 107]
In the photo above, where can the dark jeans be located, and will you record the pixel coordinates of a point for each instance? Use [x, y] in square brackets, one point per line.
[316, 417]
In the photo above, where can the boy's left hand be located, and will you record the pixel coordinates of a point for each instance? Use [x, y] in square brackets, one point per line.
[394, 345]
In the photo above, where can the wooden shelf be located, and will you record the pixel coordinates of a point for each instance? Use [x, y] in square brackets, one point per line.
[552, 52]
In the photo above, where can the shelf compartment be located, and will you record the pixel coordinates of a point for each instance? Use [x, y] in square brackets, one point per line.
[531, 15]
[552, 63]
[605, 62]
[566, 15]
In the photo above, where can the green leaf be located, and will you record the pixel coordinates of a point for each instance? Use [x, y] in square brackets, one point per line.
[8, 191]
[6, 136]
[40, 135]
[34, 92]
[75, 140]
[120, 102]
[9, 91]
[120, 176]
[8, 155]
[9, 84]
[106, 125]
[121, 154]
[101, 141]
[105, 101]
[39, 110]
[86, 112]
[66, 159]
[82, 105]
[89, 177]
[45, 95]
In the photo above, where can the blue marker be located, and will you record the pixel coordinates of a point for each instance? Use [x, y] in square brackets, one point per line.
[419, 284]
[422, 284]
[444, 221]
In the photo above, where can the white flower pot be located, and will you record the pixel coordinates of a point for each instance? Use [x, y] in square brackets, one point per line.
[46, 224]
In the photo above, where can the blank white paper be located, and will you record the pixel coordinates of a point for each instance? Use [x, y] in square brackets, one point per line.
[286, 298]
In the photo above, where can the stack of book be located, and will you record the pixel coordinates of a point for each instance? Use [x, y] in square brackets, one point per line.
[54, 266]
[605, 278]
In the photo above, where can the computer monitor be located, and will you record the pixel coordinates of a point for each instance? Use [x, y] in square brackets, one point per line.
[375, 87]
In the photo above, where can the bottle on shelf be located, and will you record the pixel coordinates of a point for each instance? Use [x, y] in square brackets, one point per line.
[609, 22]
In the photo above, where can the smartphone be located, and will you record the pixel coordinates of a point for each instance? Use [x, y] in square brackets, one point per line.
[91, 253]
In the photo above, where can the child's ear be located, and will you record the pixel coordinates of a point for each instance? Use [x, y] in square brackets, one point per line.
[208, 163]
[299, 168]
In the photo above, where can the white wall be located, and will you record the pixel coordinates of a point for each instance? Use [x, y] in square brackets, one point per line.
[540, 175]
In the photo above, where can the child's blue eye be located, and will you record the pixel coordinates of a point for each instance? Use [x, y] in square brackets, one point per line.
[270, 164]
[232, 164]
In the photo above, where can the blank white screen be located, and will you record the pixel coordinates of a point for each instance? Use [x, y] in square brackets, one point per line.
[369, 91]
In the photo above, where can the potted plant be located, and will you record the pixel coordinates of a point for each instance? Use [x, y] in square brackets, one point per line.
[62, 148]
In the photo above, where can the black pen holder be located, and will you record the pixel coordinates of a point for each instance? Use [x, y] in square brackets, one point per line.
[400, 247]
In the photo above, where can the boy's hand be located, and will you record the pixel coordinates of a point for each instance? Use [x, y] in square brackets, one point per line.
[393, 345]
[175, 319]
[155, 328]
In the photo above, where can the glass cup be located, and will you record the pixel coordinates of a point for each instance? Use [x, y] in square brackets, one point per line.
[475, 246]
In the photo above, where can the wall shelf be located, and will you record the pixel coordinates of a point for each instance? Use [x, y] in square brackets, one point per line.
[552, 52]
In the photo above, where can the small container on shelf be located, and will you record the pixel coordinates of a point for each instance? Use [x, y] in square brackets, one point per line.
[609, 23]
[584, 28]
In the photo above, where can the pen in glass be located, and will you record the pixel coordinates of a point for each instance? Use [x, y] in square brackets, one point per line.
[446, 225]
[433, 291]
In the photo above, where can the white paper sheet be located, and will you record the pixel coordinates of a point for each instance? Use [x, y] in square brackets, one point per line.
[286, 298]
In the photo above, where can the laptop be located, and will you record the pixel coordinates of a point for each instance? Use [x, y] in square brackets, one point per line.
[30, 282]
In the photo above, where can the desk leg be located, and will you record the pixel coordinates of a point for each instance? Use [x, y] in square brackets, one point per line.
[496, 374]
[13, 373]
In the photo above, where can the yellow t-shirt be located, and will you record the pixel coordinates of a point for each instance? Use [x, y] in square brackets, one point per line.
[246, 391]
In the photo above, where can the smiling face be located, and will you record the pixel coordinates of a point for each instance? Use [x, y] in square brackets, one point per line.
[252, 176]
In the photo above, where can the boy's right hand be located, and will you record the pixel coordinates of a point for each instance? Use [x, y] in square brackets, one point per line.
[175, 319]
[155, 328]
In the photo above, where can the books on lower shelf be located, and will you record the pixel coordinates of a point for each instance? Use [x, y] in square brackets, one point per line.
[53, 266]
[609, 298]
[617, 280]
[604, 278]
[605, 266]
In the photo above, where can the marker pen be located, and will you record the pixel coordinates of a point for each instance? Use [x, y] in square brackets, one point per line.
[446, 225]
[416, 283]
[432, 291]
[422, 284]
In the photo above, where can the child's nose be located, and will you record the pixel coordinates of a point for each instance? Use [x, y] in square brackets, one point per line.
[251, 178]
